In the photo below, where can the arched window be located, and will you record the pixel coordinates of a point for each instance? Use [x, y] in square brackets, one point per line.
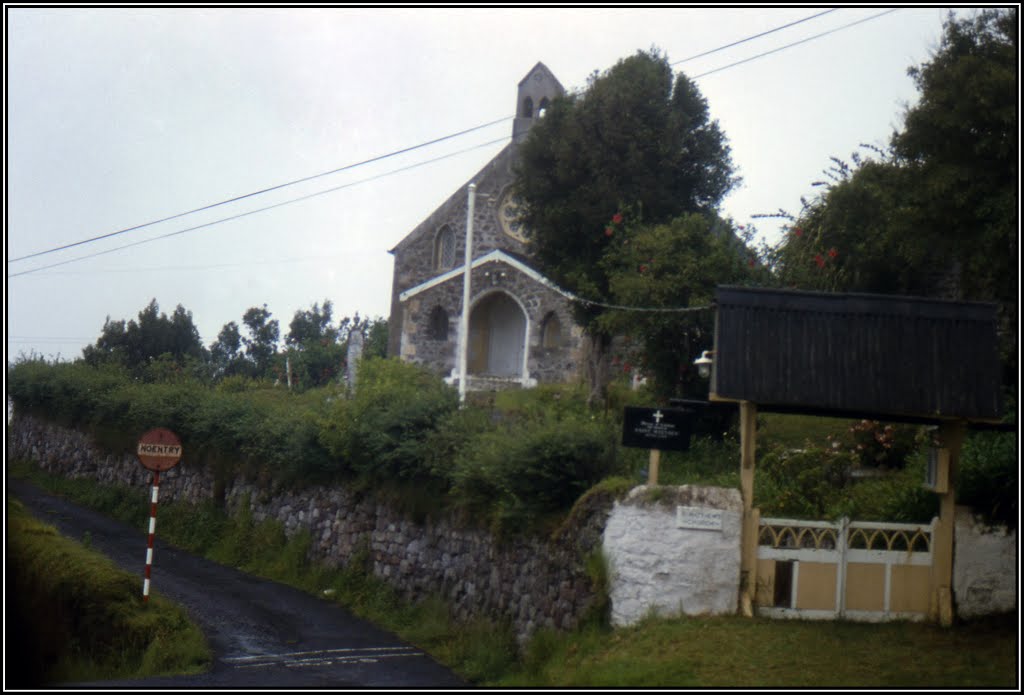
[544, 104]
[444, 249]
[551, 331]
[437, 324]
[527, 108]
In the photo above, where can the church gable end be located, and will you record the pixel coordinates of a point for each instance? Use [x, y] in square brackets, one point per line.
[521, 328]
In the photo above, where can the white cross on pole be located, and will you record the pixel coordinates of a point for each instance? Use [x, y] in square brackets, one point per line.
[658, 416]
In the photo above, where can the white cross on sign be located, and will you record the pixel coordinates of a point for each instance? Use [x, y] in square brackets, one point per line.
[658, 416]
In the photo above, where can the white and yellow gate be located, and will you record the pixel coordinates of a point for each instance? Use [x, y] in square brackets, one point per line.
[869, 571]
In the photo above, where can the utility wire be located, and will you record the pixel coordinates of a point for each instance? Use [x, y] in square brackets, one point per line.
[755, 36]
[397, 152]
[263, 209]
[260, 192]
[661, 310]
[795, 43]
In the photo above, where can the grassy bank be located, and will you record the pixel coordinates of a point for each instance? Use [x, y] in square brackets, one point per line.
[72, 616]
[743, 652]
[684, 652]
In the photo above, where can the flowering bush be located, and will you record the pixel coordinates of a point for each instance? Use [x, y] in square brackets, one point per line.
[878, 446]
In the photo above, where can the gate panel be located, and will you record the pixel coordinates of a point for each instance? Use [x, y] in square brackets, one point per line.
[865, 587]
[815, 586]
[870, 571]
[909, 589]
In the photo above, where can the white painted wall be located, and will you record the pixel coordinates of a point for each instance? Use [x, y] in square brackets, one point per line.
[984, 567]
[656, 566]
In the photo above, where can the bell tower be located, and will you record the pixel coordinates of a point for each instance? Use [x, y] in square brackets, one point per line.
[535, 93]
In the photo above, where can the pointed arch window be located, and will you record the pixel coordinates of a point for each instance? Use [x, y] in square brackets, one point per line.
[551, 331]
[526, 110]
[444, 249]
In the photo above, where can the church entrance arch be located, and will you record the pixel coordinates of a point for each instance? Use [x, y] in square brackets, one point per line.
[497, 336]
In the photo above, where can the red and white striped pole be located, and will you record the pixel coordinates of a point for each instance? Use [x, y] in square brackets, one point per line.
[152, 534]
[159, 450]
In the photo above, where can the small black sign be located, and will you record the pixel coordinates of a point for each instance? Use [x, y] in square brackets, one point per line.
[665, 429]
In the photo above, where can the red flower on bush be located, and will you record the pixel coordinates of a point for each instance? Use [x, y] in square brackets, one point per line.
[617, 218]
[832, 253]
[643, 268]
[819, 260]
[608, 231]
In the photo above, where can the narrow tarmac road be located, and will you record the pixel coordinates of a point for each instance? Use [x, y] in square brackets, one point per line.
[262, 634]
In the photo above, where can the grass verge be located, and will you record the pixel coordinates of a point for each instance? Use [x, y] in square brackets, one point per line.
[79, 618]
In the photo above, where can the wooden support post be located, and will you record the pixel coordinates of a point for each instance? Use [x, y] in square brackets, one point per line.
[751, 516]
[941, 605]
[748, 445]
[652, 469]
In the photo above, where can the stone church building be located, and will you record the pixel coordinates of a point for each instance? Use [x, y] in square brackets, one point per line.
[521, 330]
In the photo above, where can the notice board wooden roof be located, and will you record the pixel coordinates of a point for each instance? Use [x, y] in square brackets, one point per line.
[856, 353]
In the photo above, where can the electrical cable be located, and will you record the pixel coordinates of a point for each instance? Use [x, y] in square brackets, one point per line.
[265, 190]
[258, 210]
[795, 43]
[395, 153]
[755, 36]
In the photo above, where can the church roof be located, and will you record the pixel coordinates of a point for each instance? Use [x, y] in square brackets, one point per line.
[547, 73]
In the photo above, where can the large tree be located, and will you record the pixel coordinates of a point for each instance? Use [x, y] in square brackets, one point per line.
[937, 212]
[226, 355]
[640, 139]
[137, 343]
[665, 268]
[261, 343]
[315, 355]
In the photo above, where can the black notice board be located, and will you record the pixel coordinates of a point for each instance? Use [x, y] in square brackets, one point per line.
[665, 429]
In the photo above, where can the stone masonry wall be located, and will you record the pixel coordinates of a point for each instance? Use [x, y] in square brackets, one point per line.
[531, 583]
[545, 365]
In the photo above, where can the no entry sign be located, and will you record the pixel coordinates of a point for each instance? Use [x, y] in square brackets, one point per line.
[159, 449]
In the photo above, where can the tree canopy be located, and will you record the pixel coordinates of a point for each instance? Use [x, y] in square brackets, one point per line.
[136, 343]
[638, 138]
[935, 214]
[638, 142]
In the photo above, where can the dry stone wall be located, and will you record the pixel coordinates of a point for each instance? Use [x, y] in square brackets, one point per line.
[530, 583]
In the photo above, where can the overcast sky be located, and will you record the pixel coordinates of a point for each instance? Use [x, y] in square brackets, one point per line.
[119, 117]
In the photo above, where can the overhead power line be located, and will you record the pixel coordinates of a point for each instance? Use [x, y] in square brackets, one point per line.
[395, 153]
[258, 210]
[795, 43]
[265, 190]
[755, 36]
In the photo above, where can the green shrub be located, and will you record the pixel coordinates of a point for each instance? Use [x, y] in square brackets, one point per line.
[524, 470]
[708, 461]
[804, 484]
[545, 402]
[898, 496]
[456, 432]
[381, 433]
[988, 477]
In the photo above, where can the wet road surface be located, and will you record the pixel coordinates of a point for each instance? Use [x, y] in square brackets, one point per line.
[262, 634]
